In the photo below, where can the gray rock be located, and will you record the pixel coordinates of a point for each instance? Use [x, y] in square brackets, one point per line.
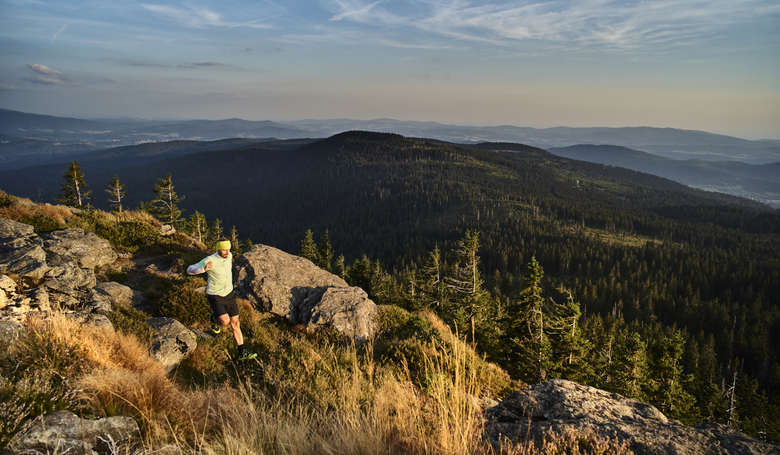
[89, 250]
[26, 260]
[105, 296]
[9, 331]
[278, 282]
[99, 303]
[295, 288]
[118, 294]
[347, 309]
[172, 342]
[10, 229]
[65, 432]
[558, 405]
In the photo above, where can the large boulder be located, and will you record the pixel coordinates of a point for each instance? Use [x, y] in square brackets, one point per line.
[559, 405]
[279, 282]
[295, 288]
[347, 309]
[86, 248]
[172, 342]
[65, 432]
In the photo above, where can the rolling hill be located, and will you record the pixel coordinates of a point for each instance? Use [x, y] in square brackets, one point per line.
[759, 182]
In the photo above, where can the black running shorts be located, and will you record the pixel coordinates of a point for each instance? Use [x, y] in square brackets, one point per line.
[222, 305]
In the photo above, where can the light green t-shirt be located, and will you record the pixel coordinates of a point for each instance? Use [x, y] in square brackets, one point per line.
[220, 276]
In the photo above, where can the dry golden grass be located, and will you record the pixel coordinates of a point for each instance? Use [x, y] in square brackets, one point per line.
[368, 410]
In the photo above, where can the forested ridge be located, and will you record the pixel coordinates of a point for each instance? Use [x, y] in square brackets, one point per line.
[610, 277]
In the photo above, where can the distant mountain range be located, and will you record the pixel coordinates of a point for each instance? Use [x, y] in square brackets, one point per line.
[84, 135]
[696, 158]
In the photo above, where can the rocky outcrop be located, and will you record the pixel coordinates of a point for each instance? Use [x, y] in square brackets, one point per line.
[172, 342]
[295, 288]
[54, 269]
[86, 248]
[61, 263]
[558, 405]
[65, 432]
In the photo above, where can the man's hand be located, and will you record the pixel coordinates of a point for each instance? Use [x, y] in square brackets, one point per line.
[209, 265]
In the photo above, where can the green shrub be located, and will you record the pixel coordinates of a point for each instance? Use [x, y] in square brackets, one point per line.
[6, 200]
[183, 303]
[41, 222]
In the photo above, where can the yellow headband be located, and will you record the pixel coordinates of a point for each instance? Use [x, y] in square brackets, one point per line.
[223, 245]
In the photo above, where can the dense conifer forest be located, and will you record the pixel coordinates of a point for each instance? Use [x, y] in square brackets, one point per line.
[550, 267]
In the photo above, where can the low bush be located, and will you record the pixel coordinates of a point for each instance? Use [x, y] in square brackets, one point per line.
[184, 303]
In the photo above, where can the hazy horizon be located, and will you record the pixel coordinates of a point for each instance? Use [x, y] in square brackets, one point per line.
[700, 65]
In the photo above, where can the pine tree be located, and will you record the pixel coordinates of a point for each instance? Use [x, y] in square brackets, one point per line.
[532, 350]
[359, 273]
[116, 193]
[468, 296]
[215, 232]
[199, 226]
[165, 206]
[74, 191]
[325, 252]
[668, 392]
[570, 347]
[234, 242]
[431, 287]
[308, 248]
[339, 267]
[628, 372]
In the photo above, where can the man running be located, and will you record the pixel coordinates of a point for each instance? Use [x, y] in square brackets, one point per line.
[219, 291]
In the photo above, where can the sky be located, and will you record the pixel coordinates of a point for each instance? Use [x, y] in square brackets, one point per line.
[710, 65]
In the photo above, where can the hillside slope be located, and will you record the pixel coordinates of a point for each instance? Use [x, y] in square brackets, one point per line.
[758, 182]
[414, 388]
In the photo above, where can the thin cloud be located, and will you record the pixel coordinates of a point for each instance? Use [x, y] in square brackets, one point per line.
[196, 65]
[604, 23]
[43, 75]
[152, 64]
[199, 17]
[353, 10]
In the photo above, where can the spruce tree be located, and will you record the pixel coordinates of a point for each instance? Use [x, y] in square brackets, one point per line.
[199, 226]
[165, 206]
[308, 248]
[215, 232]
[570, 347]
[325, 252]
[668, 391]
[431, 286]
[74, 190]
[339, 267]
[234, 242]
[628, 371]
[116, 193]
[532, 350]
[468, 296]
